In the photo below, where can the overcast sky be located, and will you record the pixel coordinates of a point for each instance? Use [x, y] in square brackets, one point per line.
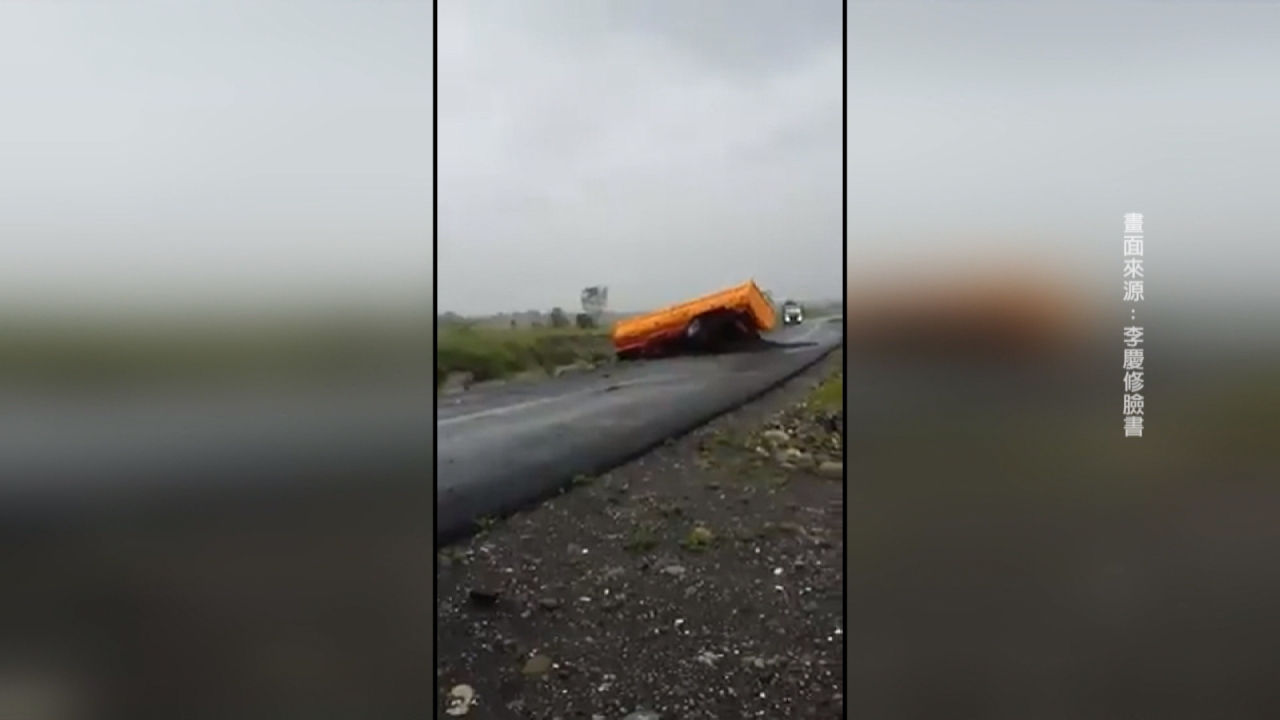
[241, 152]
[214, 153]
[664, 148]
[1028, 130]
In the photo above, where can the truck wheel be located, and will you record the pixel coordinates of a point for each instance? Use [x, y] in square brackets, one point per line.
[712, 332]
[694, 330]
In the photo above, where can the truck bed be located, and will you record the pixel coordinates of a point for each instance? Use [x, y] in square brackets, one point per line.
[668, 324]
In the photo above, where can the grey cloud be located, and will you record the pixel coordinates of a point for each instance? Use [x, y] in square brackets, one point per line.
[1027, 131]
[214, 153]
[642, 145]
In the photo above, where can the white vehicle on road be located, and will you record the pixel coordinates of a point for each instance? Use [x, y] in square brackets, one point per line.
[792, 313]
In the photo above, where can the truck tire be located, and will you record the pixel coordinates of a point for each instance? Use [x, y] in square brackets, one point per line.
[695, 332]
[699, 334]
[716, 332]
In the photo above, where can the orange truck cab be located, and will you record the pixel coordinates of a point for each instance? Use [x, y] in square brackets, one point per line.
[705, 324]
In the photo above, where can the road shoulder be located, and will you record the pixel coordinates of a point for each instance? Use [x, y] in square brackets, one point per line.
[704, 579]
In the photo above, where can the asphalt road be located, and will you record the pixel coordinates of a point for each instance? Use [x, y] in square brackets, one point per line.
[157, 548]
[94, 454]
[504, 447]
[159, 545]
[499, 446]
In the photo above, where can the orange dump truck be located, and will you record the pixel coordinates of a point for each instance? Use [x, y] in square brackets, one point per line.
[707, 324]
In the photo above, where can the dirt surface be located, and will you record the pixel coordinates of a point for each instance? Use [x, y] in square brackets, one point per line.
[703, 580]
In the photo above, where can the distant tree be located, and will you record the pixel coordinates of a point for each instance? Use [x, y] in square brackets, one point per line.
[453, 320]
[585, 321]
[558, 318]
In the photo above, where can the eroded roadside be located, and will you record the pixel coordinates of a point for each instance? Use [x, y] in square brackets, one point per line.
[703, 580]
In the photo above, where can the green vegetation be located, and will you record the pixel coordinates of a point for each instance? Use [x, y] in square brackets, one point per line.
[829, 395]
[641, 539]
[699, 538]
[489, 353]
[85, 354]
[485, 524]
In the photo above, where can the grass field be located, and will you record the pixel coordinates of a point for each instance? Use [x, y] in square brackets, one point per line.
[489, 354]
[105, 354]
[316, 348]
[829, 395]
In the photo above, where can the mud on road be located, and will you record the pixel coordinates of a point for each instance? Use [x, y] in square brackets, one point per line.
[703, 580]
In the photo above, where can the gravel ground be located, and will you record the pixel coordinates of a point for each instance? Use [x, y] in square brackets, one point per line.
[703, 580]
